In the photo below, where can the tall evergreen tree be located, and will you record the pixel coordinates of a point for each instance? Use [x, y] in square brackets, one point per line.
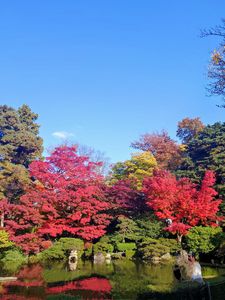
[20, 144]
[206, 151]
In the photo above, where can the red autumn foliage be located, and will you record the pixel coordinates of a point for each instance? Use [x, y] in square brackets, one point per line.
[125, 198]
[94, 284]
[67, 200]
[182, 202]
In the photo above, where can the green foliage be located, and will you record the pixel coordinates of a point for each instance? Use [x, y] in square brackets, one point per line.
[206, 151]
[204, 239]
[125, 246]
[4, 240]
[103, 247]
[126, 230]
[53, 253]
[134, 230]
[128, 248]
[88, 252]
[20, 144]
[68, 244]
[13, 260]
[61, 249]
[150, 248]
[149, 226]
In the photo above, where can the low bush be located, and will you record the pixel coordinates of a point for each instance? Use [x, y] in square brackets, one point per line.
[103, 247]
[125, 246]
[61, 249]
[128, 248]
[150, 248]
[52, 253]
[68, 244]
[13, 260]
[204, 239]
[5, 243]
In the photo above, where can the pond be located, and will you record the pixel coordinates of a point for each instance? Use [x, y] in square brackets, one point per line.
[122, 279]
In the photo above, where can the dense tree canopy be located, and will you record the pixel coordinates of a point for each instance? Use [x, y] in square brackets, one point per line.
[189, 128]
[20, 144]
[67, 200]
[206, 151]
[181, 202]
[69, 195]
[137, 168]
[165, 150]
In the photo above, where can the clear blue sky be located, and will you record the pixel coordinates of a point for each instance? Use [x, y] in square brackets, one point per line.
[107, 71]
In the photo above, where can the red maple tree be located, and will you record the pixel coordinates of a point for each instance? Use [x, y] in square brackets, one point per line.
[67, 199]
[181, 202]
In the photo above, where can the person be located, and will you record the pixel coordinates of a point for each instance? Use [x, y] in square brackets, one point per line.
[196, 270]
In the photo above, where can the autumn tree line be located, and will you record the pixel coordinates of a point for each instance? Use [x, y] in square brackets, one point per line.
[168, 195]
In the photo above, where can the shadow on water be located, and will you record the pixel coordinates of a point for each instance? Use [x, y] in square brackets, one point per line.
[122, 279]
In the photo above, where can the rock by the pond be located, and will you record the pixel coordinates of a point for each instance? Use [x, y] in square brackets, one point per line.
[166, 256]
[7, 279]
[108, 258]
[155, 259]
[99, 258]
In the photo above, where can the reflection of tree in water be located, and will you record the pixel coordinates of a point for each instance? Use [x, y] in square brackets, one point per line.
[132, 278]
[123, 279]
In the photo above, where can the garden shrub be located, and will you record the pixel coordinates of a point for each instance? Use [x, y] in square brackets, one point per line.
[68, 244]
[204, 239]
[53, 253]
[61, 249]
[125, 246]
[128, 248]
[13, 260]
[150, 248]
[130, 253]
[103, 247]
[172, 244]
[34, 259]
[5, 243]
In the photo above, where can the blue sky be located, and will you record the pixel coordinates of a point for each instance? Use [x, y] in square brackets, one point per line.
[107, 71]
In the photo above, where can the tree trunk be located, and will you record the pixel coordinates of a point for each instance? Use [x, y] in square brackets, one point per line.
[179, 238]
[2, 220]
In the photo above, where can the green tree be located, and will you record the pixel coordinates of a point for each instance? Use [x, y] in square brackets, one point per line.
[204, 239]
[20, 144]
[206, 151]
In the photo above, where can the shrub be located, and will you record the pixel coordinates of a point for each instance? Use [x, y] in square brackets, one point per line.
[128, 248]
[103, 247]
[61, 249]
[53, 253]
[204, 239]
[130, 253]
[68, 244]
[34, 259]
[13, 260]
[150, 248]
[5, 243]
[125, 246]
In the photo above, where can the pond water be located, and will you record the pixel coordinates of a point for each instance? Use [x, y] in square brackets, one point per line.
[122, 279]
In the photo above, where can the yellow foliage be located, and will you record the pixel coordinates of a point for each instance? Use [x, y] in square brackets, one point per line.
[216, 57]
[140, 165]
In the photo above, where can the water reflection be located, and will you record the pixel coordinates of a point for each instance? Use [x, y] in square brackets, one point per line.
[122, 279]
